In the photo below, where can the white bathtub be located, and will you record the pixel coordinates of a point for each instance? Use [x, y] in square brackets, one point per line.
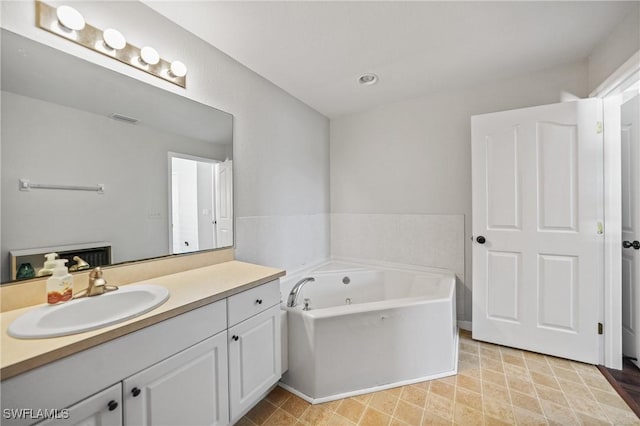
[389, 326]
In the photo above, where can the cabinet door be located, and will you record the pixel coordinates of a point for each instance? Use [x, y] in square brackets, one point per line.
[254, 359]
[103, 409]
[189, 388]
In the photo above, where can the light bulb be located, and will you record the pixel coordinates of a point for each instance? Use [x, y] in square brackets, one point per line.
[178, 69]
[149, 55]
[114, 39]
[70, 18]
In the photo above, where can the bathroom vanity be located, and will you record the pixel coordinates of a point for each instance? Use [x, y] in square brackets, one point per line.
[206, 356]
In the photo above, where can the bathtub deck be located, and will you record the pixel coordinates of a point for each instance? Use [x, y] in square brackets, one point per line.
[495, 385]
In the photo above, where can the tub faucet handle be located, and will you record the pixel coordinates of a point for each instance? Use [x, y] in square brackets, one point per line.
[306, 304]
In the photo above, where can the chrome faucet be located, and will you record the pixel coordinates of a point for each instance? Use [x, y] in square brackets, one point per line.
[97, 285]
[293, 295]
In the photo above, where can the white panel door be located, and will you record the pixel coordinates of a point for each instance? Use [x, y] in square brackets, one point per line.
[537, 253]
[224, 203]
[630, 144]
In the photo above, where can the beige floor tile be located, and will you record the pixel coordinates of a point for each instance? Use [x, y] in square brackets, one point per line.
[442, 389]
[498, 409]
[578, 389]
[295, 406]
[363, 399]
[338, 420]
[469, 346]
[261, 412]
[430, 419]
[468, 358]
[516, 371]
[527, 418]
[317, 415]
[408, 413]
[244, 421]
[414, 396]
[559, 362]
[590, 421]
[567, 374]
[469, 398]
[597, 382]
[490, 390]
[561, 414]
[384, 401]
[610, 399]
[490, 353]
[545, 379]
[492, 421]
[494, 377]
[278, 396]
[517, 360]
[463, 415]
[535, 357]
[539, 367]
[469, 383]
[586, 406]
[492, 364]
[620, 417]
[351, 409]
[526, 402]
[548, 394]
[331, 405]
[281, 418]
[441, 407]
[475, 373]
[510, 351]
[422, 385]
[395, 391]
[373, 417]
[521, 385]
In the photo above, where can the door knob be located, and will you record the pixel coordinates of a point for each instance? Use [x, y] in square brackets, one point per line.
[481, 240]
[629, 244]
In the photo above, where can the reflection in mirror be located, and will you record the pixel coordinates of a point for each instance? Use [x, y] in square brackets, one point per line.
[98, 143]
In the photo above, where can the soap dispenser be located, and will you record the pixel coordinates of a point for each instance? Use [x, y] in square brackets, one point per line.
[49, 264]
[60, 284]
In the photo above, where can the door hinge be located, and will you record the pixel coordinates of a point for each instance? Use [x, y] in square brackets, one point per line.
[599, 127]
[600, 328]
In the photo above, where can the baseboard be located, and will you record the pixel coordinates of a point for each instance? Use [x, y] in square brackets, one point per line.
[465, 325]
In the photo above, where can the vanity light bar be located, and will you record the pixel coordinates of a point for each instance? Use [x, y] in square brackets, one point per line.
[48, 18]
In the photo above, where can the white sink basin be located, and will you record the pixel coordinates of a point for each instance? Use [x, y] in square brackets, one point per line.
[88, 313]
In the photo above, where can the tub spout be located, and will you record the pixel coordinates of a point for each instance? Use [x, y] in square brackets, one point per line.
[293, 296]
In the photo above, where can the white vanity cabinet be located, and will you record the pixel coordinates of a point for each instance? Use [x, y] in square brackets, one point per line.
[190, 388]
[254, 345]
[103, 408]
[206, 366]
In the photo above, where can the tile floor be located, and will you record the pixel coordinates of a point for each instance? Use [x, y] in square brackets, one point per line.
[495, 385]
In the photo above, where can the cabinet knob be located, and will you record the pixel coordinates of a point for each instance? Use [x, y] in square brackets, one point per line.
[481, 240]
[234, 338]
[259, 301]
[629, 244]
[112, 405]
[135, 391]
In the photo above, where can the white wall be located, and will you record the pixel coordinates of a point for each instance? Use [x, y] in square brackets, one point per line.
[614, 50]
[414, 157]
[281, 148]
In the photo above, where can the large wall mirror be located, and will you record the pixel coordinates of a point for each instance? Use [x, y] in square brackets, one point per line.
[102, 168]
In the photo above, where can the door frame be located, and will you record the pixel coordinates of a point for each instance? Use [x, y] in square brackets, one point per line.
[610, 91]
[171, 155]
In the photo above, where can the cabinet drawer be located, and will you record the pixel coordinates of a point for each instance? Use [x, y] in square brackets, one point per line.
[248, 303]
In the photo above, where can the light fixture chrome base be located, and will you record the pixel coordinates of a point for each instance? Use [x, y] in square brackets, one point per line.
[91, 38]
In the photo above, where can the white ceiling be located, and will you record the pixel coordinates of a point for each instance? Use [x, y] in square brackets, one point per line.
[315, 50]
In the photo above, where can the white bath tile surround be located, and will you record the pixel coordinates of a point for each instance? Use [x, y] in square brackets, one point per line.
[416, 239]
[288, 242]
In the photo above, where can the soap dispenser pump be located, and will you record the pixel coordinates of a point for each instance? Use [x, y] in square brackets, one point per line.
[49, 264]
[60, 284]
